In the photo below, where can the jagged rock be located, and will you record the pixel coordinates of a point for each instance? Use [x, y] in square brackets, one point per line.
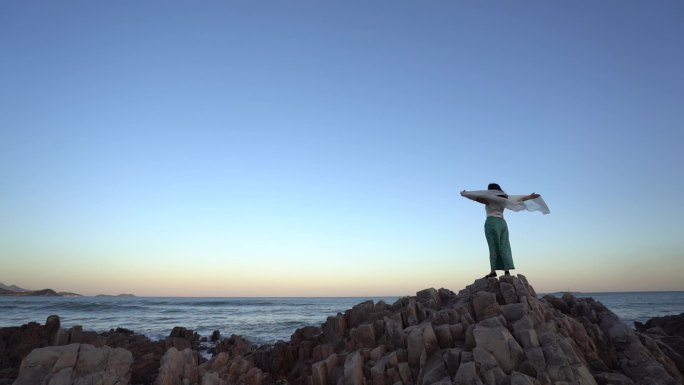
[323, 371]
[405, 373]
[433, 371]
[178, 368]
[353, 369]
[182, 338]
[457, 332]
[430, 294]
[15, 344]
[307, 333]
[497, 340]
[421, 343]
[444, 337]
[335, 329]
[216, 335]
[146, 354]
[359, 314]
[235, 345]
[467, 375]
[485, 305]
[217, 364]
[378, 352]
[394, 332]
[377, 372]
[52, 325]
[515, 311]
[557, 303]
[518, 378]
[672, 325]
[76, 364]
[613, 379]
[509, 294]
[667, 334]
[524, 332]
[212, 379]
[409, 313]
[363, 336]
[321, 352]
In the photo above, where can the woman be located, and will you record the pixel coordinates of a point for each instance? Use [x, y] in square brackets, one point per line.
[496, 229]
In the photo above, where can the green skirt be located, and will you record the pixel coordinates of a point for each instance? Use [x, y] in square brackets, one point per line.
[500, 256]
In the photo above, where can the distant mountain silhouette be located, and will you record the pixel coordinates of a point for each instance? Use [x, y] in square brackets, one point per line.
[37, 293]
[14, 288]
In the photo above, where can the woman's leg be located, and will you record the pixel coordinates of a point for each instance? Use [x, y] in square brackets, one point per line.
[505, 249]
[493, 236]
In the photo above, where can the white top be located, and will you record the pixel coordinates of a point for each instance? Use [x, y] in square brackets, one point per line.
[497, 204]
[495, 209]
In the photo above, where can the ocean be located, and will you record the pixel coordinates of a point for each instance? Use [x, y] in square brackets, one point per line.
[261, 320]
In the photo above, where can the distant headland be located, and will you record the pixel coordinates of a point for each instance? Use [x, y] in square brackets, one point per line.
[16, 291]
[37, 293]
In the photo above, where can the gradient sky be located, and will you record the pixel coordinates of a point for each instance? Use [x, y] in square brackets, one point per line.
[281, 148]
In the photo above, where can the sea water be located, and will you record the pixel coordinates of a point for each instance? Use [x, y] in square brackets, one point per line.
[261, 320]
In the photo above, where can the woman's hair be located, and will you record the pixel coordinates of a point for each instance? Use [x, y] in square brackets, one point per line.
[495, 186]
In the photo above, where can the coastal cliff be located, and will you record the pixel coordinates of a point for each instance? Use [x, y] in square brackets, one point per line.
[493, 332]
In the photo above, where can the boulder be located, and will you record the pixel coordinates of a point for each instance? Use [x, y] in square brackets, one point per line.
[394, 332]
[498, 341]
[433, 371]
[76, 364]
[235, 345]
[363, 336]
[215, 335]
[485, 305]
[427, 295]
[178, 368]
[444, 337]
[359, 314]
[334, 329]
[510, 296]
[353, 369]
[52, 325]
[467, 375]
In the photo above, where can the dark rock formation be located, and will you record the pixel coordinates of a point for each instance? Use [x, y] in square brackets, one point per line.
[671, 325]
[493, 332]
[76, 364]
[667, 333]
[17, 342]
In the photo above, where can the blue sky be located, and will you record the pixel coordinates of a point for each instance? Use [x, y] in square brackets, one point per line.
[309, 148]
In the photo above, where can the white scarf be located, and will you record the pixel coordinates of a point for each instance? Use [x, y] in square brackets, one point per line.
[513, 201]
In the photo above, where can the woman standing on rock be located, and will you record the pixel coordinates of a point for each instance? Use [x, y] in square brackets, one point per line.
[496, 229]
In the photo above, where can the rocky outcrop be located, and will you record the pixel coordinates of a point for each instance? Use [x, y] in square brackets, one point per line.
[178, 368]
[667, 334]
[493, 332]
[76, 364]
[17, 342]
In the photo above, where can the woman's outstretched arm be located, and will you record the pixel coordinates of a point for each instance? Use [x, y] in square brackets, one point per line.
[528, 197]
[480, 200]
